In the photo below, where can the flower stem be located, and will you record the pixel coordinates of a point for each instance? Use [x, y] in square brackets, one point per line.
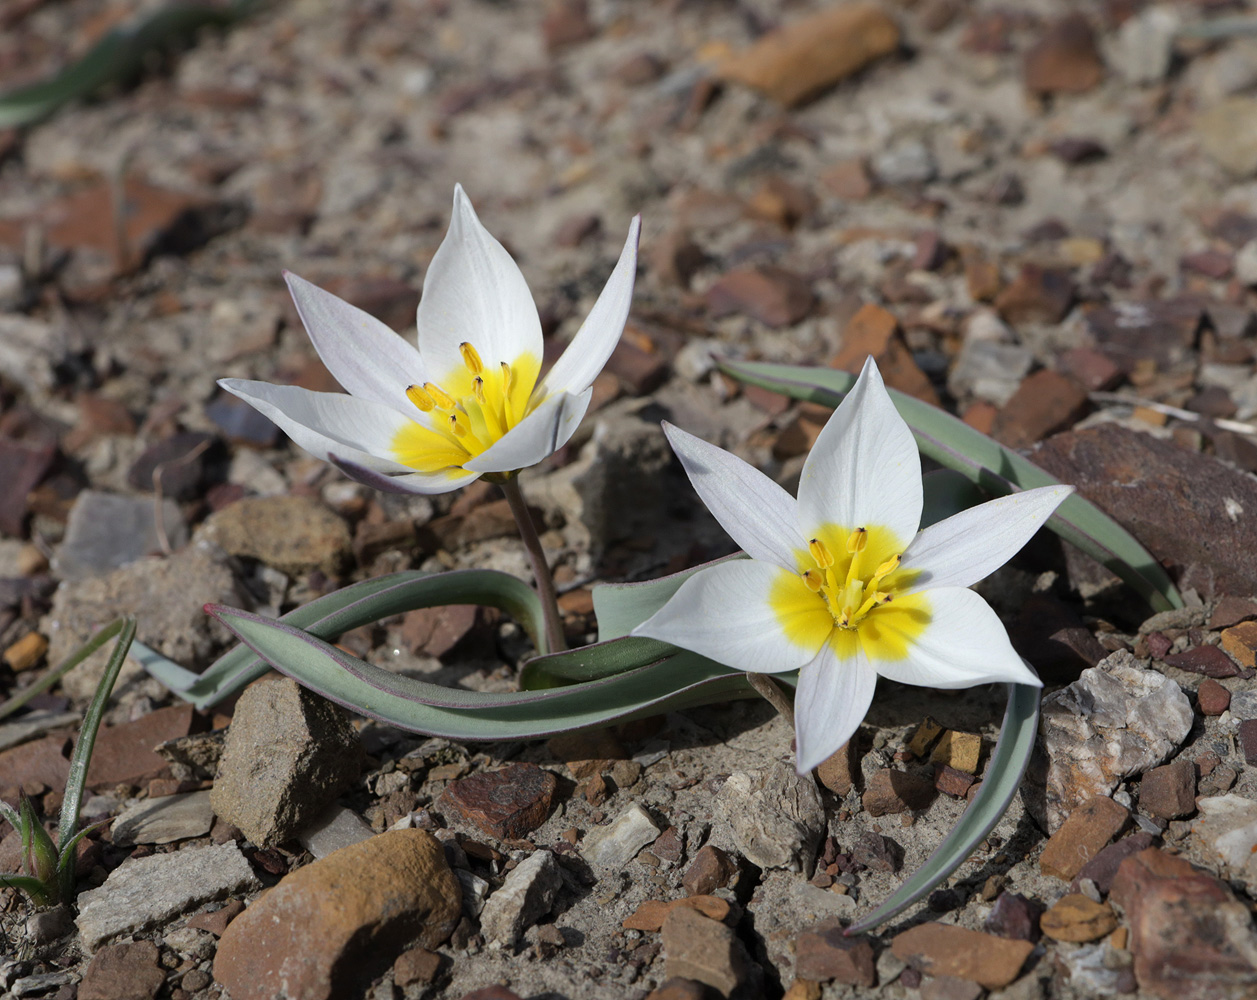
[771, 693]
[540, 569]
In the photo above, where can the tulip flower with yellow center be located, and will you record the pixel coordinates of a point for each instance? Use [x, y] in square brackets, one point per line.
[840, 585]
[469, 400]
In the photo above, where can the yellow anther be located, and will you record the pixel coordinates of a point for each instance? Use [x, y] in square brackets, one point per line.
[872, 601]
[456, 427]
[471, 358]
[812, 580]
[820, 553]
[857, 540]
[440, 398]
[477, 388]
[507, 378]
[418, 395]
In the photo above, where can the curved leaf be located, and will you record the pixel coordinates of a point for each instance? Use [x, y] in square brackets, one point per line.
[362, 603]
[621, 607]
[677, 681]
[986, 462]
[1000, 784]
[589, 663]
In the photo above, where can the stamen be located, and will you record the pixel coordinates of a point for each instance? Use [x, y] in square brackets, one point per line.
[889, 566]
[442, 399]
[477, 387]
[420, 397]
[471, 358]
[508, 379]
[857, 540]
[871, 602]
[820, 553]
[456, 427]
[812, 579]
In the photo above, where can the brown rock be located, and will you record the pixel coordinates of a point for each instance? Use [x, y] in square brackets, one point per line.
[294, 534]
[22, 466]
[824, 953]
[1014, 916]
[699, 948]
[1082, 836]
[772, 295]
[1169, 791]
[1092, 369]
[124, 754]
[803, 58]
[1128, 332]
[332, 926]
[1181, 510]
[1248, 741]
[639, 371]
[508, 804]
[1192, 940]
[676, 988]
[566, 23]
[441, 630]
[923, 737]
[1102, 869]
[216, 921]
[417, 965]
[1207, 660]
[676, 258]
[26, 652]
[1036, 295]
[780, 201]
[1077, 918]
[982, 275]
[838, 771]
[945, 950]
[43, 761]
[949, 781]
[874, 331]
[891, 791]
[1065, 60]
[651, 914]
[1231, 611]
[456, 531]
[800, 432]
[1049, 633]
[1044, 403]
[950, 988]
[587, 753]
[1241, 642]
[1212, 697]
[123, 972]
[710, 870]
[492, 993]
[848, 179]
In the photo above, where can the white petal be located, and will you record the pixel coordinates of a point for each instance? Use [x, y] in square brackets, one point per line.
[964, 644]
[830, 702]
[969, 546]
[363, 354]
[414, 482]
[596, 339]
[473, 292]
[327, 422]
[757, 513]
[541, 433]
[864, 469]
[723, 613]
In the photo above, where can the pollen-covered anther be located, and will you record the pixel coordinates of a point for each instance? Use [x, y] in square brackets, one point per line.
[857, 540]
[477, 388]
[421, 398]
[814, 581]
[820, 553]
[442, 399]
[471, 358]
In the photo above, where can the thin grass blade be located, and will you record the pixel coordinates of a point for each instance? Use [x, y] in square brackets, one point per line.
[1003, 778]
[63, 668]
[993, 467]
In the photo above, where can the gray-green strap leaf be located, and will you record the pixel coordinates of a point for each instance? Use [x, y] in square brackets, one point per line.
[993, 467]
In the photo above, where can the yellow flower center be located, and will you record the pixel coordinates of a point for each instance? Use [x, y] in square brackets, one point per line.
[470, 410]
[848, 592]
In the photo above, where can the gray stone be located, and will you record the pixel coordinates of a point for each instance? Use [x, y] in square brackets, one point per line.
[1243, 705]
[989, 370]
[906, 161]
[338, 827]
[475, 889]
[1227, 830]
[289, 754]
[194, 757]
[1097, 969]
[1117, 720]
[146, 892]
[47, 926]
[617, 843]
[172, 593]
[106, 531]
[30, 349]
[1228, 133]
[1143, 46]
[526, 896]
[195, 944]
[164, 820]
[1246, 263]
[38, 985]
[774, 815]
[34, 724]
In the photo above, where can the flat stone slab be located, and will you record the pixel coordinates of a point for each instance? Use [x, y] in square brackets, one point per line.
[146, 892]
[164, 820]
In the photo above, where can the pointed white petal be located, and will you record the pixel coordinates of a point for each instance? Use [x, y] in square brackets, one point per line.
[969, 546]
[757, 513]
[327, 422]
[964, 644]
[864, 469]
[833, 696]
[541, 433]
[724, 613]
[415, 482]
[473, 292]
[596, 339]
[363, 354]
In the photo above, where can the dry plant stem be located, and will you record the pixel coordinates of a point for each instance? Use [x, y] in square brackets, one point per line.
[772, 694]
[540, 568]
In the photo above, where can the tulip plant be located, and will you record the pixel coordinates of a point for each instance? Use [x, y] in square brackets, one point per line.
[840, 585]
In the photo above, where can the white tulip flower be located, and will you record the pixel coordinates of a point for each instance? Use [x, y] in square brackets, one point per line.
[468, 401]
[840, 585]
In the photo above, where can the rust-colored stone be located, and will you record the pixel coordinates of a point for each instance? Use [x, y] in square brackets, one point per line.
[508, 804]
[710, 870]
[1241, 642]
[946, 950]
[1208, 660]
[772, 295]
[824, 953]
[838, 771]
[650, 915]
[1086, 831]
[1065, 60]
[1036, 295]
[891, 791]
[1044, 403]
[1212, 697]
[1078, 918]
[1169, 791]
[874, 331]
